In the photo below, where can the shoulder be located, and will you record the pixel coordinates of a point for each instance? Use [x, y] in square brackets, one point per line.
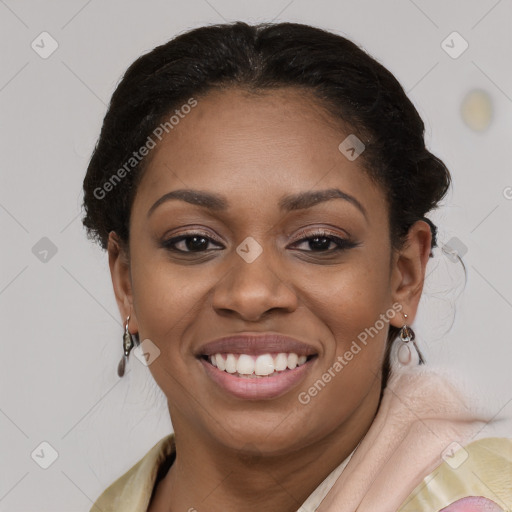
[483, 469]
[132, 491]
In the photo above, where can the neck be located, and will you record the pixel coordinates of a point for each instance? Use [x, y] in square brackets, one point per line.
[209, 476]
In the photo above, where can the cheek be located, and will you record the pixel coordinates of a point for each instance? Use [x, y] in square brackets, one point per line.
[353, 306]
[167, 301]
[350, 298]
[166, 297]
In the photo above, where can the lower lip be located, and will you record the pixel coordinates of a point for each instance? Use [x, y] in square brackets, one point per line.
[258, 388]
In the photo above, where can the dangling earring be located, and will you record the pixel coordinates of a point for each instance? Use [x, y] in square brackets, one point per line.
[406, 356]
[128, 344]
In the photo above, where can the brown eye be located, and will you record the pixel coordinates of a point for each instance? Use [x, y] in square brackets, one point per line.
[188, 243]
[322, 241]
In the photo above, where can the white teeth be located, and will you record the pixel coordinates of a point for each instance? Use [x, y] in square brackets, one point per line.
[231, 363]
[264, 365]
[245, 364]
[221, 364]
[293, 359]
[261, 365]
[281, 362]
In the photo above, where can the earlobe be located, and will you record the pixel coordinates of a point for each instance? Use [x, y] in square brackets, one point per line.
[408, 273]
[119, 265]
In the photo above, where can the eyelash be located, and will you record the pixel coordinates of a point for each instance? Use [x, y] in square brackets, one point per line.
[341, 243]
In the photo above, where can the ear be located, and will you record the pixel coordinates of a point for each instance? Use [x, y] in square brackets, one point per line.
[119, 263]
[408, 271]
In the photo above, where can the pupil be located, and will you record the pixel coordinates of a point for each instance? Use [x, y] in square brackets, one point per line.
[193, 244]
[314, 243]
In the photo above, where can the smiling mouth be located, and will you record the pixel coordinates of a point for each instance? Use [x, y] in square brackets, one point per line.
[258, 366]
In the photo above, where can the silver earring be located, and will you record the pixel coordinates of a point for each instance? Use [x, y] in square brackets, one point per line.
[128, 344]
[406, 355]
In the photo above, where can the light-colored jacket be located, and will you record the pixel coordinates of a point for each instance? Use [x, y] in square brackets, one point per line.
[426, 450]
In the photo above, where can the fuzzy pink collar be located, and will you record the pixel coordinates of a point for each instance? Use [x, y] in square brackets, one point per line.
[422, 415]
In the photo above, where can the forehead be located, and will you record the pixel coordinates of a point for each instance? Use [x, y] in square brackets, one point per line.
[253, 145]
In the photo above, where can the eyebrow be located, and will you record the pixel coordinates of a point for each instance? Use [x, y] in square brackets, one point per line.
[300, 201]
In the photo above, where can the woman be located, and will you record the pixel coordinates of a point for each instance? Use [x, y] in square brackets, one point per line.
[261, 192]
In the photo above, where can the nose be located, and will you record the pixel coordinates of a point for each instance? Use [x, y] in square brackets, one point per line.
[252, 290]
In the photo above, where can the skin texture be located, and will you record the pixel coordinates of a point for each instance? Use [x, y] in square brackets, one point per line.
[235, 454]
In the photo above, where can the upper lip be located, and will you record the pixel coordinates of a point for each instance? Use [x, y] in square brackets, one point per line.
[256, 344]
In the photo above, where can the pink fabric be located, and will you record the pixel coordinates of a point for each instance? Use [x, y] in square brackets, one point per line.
[422, 413]
[473, 504]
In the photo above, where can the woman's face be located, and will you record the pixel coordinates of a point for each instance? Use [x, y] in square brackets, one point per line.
[261, 254]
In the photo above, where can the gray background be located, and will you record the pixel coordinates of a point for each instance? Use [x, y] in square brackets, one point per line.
[61, 330]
